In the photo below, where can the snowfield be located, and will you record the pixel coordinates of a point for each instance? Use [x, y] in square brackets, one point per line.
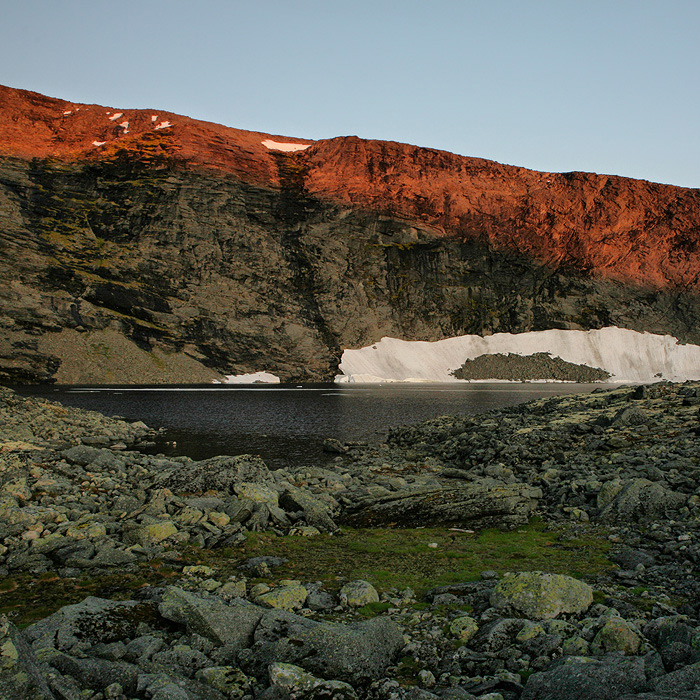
[629, 356]
[253, 378]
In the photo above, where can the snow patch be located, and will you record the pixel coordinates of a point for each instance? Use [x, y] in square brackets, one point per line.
[154, 117]
[115, 116]
[629, 356]
[253, 378]
[163, 125]
[125, 126]
[69, 112]
[99, 143]
[287, 147]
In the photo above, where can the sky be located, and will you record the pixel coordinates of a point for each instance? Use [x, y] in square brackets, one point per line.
[606, 86]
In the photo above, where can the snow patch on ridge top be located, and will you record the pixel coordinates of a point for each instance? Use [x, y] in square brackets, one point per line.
[628, 356]
[252, 378]
[287, 147]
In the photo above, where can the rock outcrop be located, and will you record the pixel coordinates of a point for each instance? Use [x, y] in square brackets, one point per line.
[143, 246]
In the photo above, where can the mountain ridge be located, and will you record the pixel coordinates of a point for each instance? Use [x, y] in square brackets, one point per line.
[196, 238]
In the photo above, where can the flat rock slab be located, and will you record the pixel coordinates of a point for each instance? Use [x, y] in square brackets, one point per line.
[479, 504]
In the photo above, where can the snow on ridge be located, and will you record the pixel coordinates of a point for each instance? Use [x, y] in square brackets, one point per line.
[115, 116]
[162, 125]
[287, 147]
[99, 143]
[629, 356]
[154, 117]
[252, 378]
[125, 126]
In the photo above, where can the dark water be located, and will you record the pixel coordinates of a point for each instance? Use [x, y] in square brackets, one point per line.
[287, 424]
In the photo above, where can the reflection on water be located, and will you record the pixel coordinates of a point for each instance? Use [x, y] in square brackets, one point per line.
[287, 424]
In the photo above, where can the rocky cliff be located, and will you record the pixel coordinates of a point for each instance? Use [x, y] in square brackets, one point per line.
[143, 246]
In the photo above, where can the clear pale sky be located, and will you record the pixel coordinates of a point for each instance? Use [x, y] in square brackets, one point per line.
[609, 86]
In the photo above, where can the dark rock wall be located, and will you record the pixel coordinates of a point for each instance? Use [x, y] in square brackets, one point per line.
[248, 278]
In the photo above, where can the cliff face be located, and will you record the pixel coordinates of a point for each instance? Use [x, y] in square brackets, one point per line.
[191, 250]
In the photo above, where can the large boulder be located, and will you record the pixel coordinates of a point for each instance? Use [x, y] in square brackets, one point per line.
[22, 676]
[641, 500]
[356, 653]
[585, 678]
[218, 473]
[478, 504]
[211, 617]
[540, 596]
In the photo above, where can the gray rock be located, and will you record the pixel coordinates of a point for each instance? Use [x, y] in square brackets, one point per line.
[477, 504]
[316, 513]
[641, 500]
[540, 596]
[211, 617]
[22, 675]
[92, 673]
[92, 621]
[585, 678]
[354, 653]
[218, 473]
[686, 678]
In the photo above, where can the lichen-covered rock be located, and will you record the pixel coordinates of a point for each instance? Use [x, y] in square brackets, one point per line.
[464, 627]
[617, 634]
[211, 617]
[154, 533]
[289, 597]
[641, 500]
[22, 676]
[585, 678]
[358, 593]
[291, 679]
[540, 596]
[228, 680]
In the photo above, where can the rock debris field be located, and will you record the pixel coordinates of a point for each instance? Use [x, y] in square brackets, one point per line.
[618, 469]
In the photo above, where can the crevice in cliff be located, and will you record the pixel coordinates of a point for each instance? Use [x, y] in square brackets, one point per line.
[294, 209]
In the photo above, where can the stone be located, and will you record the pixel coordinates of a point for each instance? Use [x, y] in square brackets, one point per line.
[22, 675]
[211, 617]
[464, 627]
[355, 653]
[294, 681]
[585, 678]
[218, 473]
[154, 533]
[641, 500]
[289, 597]
[257, 493]
[541, 596]
[617, 635]
[355, 594]
[228, 680]
[316, 513]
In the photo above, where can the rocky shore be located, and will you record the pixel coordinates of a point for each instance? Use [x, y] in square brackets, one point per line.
[618, 468]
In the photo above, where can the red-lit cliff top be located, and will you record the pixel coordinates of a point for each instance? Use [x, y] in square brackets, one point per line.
[615, 227]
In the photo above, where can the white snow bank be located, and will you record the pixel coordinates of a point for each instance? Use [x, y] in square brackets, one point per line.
[287, 147]
[69, 112]
[253, 378]
[629, 356]
[163, 125]
[125, 126]
[116, 116]
[99, 143]
[154, 117]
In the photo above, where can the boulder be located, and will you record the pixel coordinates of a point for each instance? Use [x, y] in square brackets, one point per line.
[221, 622]
[585, 678]
[22, 675]
[356, 653]
[481, 503]
[358, 593]
[286, 597]
[617, 635]
[641, 500]
[218, 473]
[293, 680]
[316, 513]
[541, 596]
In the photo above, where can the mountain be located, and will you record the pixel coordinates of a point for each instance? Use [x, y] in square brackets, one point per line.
[145, 246]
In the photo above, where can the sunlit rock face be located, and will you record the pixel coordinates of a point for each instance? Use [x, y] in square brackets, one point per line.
[179, 250]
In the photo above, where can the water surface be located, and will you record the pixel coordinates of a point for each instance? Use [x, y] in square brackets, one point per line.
[287, 423]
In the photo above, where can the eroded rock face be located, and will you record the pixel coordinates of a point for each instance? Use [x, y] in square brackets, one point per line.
[190, 251]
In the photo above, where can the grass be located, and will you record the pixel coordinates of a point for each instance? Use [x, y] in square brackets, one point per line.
[385, 557]
[401, 557]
